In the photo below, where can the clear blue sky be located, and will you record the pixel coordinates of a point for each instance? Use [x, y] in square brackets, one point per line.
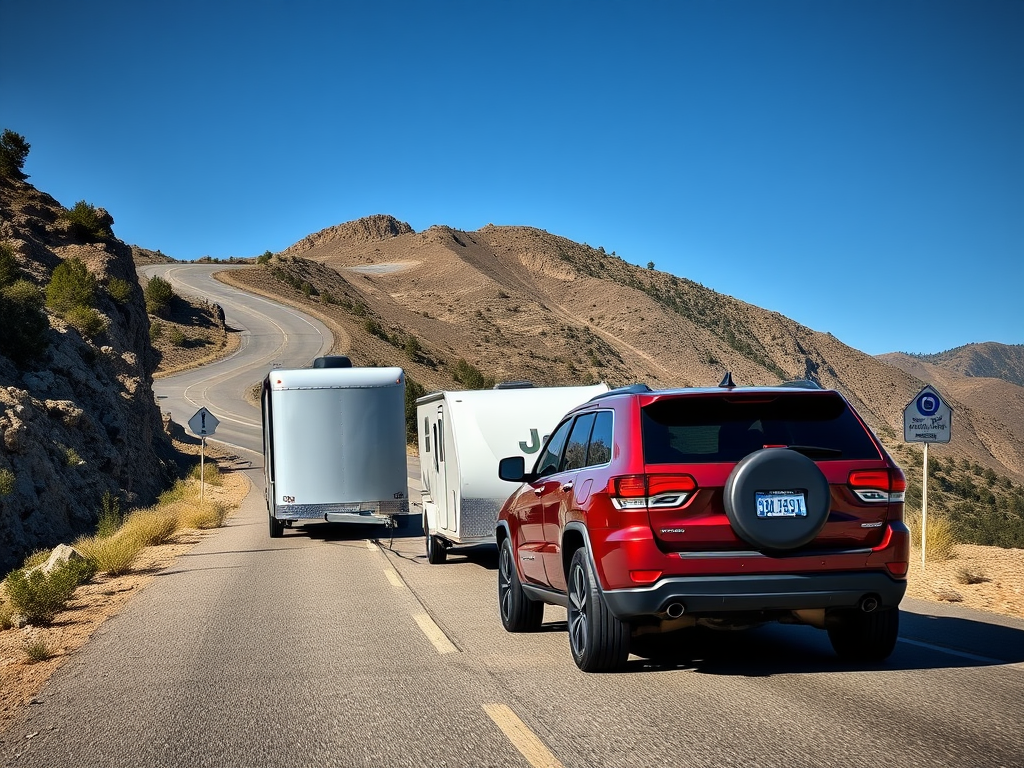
[856, 166]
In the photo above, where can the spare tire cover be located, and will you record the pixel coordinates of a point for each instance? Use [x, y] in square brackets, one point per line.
[776, 469]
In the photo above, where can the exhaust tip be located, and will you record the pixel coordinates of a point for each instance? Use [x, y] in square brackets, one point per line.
[675, 610]
[869, 603]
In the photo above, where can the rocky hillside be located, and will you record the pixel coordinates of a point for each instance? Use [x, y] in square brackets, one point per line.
[520, 303]
[77, 414]
[986, 360]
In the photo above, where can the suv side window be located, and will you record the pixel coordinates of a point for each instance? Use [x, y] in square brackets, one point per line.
[547, 464]
[600, 449]
[576, 448]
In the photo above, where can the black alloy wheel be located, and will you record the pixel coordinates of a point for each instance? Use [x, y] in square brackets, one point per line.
[518, 612]
[598, 640]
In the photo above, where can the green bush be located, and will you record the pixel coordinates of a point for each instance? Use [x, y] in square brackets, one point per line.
[469, 375]
[9, 270]
[71, 285]
[156, 330]
[85, 222]
[13, 151]
[159, 294]
[412, 348]
[6, 482]
[265, 258]
[25, 334]
[119, 290]
[109, 518]
[87, 321]
[176, 336]
[413, 390]
[39, 597]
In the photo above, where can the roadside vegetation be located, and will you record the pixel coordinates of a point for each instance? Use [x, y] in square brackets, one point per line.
[30, 595]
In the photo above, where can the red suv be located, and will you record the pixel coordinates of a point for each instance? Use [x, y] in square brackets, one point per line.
[654, 511]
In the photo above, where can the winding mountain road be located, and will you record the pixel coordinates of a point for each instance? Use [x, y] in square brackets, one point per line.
[331, 646]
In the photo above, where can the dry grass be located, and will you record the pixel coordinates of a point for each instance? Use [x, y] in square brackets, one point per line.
[201, 514]
[37, 650]
[940, 537]
[113, 555]
[968, 576]
[150, 527]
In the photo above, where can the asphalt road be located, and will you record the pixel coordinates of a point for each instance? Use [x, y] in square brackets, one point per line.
[332, 647]
[272, 336]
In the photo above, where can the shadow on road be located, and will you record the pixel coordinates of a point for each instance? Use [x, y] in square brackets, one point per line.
[946, 643]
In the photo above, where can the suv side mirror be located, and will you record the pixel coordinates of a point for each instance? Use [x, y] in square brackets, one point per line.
[513, 469]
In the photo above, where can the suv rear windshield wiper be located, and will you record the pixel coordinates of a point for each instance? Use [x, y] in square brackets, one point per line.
[812, 451]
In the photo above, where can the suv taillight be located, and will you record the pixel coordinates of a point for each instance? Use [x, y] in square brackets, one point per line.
[879, 485]
[654, 491]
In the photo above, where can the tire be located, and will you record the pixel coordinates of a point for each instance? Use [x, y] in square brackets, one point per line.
[518, 612]
[858, 636]
[598, 640]
[437, 552]
[276, 528]
[776, 469]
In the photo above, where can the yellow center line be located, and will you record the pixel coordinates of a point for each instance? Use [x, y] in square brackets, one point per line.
[522, 738]
[393, 577]
[434, 634]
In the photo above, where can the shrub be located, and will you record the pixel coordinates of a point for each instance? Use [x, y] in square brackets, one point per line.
[156, 330]
[37, 650]
[39, 597]
[373, 327]
[413, 390]
[119, 290]
[13, 151]
[265, 258]
[6, 482]
[328, 298]
[209, 471]
[113, 555]
[159, 294]
[967, 576]
[71, 285]
[87, 321]
[71, 456]
[150, 527]
[940, 537]
[109, 519]
[6, 616]
[25, 334]
[85, 222]
[204, 515]
[412, 348]
[176, 336]
[471, 376]
[9, 270]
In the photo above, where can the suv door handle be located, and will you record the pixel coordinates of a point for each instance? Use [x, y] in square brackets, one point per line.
[539, 491]
[567, 486]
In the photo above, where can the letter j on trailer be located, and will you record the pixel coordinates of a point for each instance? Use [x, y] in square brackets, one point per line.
[926, 419]
[334, 445]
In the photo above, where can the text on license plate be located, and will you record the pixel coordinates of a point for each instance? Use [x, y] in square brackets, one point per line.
[780, 504]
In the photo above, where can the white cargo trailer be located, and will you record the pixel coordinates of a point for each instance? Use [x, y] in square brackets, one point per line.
[334, 445]
[462, 435]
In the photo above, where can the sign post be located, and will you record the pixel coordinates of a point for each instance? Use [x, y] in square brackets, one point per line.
[203, 423]
[926, 419]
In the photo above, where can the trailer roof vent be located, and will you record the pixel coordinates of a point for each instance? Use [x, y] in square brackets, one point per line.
[332, 361]
[514, 385]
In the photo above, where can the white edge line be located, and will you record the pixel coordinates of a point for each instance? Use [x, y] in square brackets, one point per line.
[963, 654]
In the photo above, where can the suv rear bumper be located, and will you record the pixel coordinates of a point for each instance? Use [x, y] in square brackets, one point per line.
[725, 594]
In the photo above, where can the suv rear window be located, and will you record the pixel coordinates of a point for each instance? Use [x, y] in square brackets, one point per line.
[725, 429]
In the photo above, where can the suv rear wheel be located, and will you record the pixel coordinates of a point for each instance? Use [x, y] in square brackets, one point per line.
[598, 640]
[518, 612]
[859, 636]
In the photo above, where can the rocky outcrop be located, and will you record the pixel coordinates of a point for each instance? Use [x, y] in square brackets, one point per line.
[80, 420]
[365, 230]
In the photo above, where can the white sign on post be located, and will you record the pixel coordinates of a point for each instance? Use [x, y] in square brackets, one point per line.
[203, 423]
[926, 419]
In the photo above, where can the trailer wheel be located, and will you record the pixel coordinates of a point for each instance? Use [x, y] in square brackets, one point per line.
[437, 552]
[276, 528]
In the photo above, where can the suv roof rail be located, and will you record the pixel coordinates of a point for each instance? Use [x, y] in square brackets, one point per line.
[632, 389]
[801, 384]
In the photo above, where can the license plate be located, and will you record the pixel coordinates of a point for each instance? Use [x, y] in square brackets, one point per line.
[781, 504]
